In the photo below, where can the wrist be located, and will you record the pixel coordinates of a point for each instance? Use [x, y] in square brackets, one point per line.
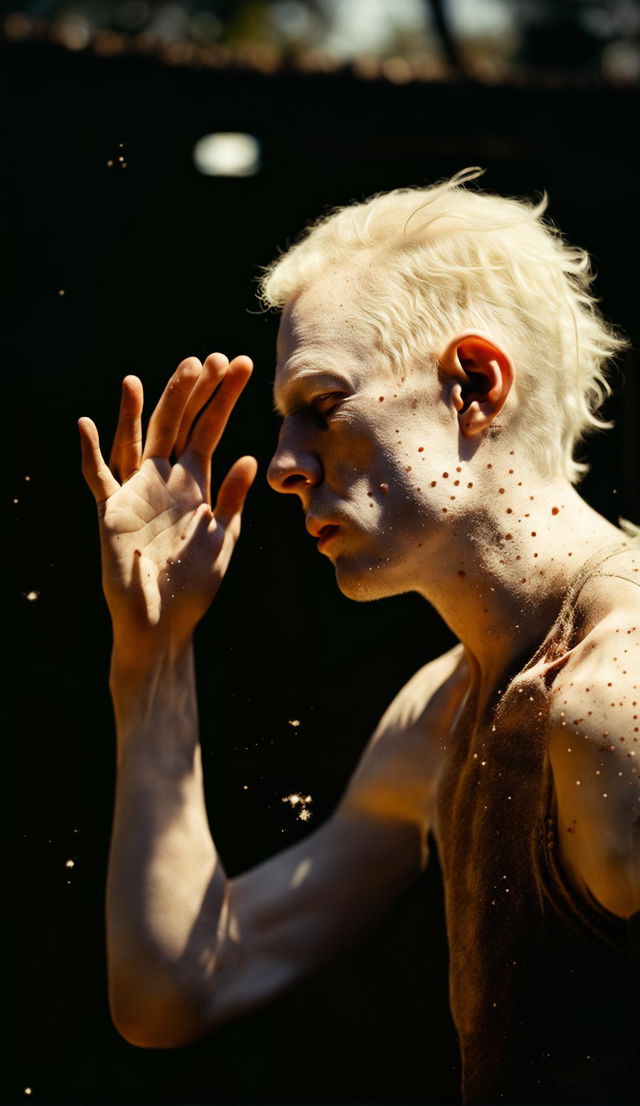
[135, 661]
[154, 683]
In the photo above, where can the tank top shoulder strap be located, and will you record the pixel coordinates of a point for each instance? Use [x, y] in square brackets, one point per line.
[601, 563]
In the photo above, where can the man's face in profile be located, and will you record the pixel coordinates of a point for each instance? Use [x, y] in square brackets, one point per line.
[364, 450]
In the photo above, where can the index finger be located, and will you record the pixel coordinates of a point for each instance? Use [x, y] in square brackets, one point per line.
[165, 420]
[213, 420]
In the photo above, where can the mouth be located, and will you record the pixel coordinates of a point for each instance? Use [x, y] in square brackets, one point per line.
[325, 535]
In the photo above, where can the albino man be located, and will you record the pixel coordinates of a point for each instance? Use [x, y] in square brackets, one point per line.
[440, 356]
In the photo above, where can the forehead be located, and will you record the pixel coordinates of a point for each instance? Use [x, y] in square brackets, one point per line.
[321, 333]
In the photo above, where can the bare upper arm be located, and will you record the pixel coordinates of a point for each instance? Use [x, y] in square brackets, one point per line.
[595, 756]
[287, 916]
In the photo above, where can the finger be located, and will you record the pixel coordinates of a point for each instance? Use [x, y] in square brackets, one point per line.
[127, 443]
[210, 427]
[165, 420]
[233, 493]
[94, 467]
[213, 370]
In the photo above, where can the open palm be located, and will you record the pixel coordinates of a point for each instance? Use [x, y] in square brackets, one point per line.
[164, 548]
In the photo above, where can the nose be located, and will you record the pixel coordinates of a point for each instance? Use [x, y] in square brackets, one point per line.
[292, 469]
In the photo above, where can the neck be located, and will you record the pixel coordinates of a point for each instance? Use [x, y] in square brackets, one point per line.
[509, 566]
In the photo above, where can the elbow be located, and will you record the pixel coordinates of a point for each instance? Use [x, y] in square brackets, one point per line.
[153, 1034]
[154, 1022]
[137, 1034]
[144, 1035]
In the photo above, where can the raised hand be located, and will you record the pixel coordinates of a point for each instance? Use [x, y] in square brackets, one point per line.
[164, 549]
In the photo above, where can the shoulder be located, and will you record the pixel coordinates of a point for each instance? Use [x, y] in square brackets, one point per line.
[428, 693]
[594, 742]
[400, 766]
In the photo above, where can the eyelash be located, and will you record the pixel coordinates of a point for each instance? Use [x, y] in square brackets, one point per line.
[324, 414]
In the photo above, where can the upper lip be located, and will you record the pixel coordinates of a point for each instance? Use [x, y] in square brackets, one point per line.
[317, 526]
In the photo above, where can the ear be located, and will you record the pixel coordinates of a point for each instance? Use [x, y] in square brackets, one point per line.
[481, 376]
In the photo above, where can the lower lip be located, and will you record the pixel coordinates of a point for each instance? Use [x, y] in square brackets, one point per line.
[326, 538]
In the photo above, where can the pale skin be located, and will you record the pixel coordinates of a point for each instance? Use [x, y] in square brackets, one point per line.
[189, 948]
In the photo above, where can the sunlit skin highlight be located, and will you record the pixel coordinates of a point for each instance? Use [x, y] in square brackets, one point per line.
[335, 453]
[412, 482]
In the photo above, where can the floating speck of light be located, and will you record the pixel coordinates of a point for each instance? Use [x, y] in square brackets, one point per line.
[61, 291]
[16, 500]
[70, 864]
[295, 799]
[27, 1090]
[32, 596]
[295, 722]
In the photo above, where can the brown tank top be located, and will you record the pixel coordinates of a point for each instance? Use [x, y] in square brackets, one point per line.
[539, 977]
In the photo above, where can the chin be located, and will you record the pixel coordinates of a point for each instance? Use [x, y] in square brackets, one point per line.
[365, 582]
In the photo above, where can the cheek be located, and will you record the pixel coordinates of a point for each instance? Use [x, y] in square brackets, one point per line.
[354, 451]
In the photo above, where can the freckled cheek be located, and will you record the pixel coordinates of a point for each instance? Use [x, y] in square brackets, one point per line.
[354, 452]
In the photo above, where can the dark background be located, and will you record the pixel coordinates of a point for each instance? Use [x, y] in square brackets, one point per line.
[157, 263]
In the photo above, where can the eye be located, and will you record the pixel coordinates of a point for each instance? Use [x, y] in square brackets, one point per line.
[324, 405]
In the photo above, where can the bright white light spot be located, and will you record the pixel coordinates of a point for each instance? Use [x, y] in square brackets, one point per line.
[295, 722]
[32, 596]
[360, 26]
[227, 154]
[27, 1090]
[481, 17]
[70, 864]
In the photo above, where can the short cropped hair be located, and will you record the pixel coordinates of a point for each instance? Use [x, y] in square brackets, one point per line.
[431, 261]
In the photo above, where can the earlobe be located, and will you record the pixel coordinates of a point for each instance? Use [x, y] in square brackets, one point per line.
[481, 375]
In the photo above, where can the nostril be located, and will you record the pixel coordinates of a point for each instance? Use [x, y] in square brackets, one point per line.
[294, 481]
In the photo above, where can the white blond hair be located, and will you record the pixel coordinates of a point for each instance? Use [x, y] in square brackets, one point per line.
[433, 261]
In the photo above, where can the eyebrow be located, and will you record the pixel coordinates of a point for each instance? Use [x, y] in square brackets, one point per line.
[288, 398]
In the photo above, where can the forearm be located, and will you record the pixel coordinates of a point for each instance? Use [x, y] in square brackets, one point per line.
[165, 887]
